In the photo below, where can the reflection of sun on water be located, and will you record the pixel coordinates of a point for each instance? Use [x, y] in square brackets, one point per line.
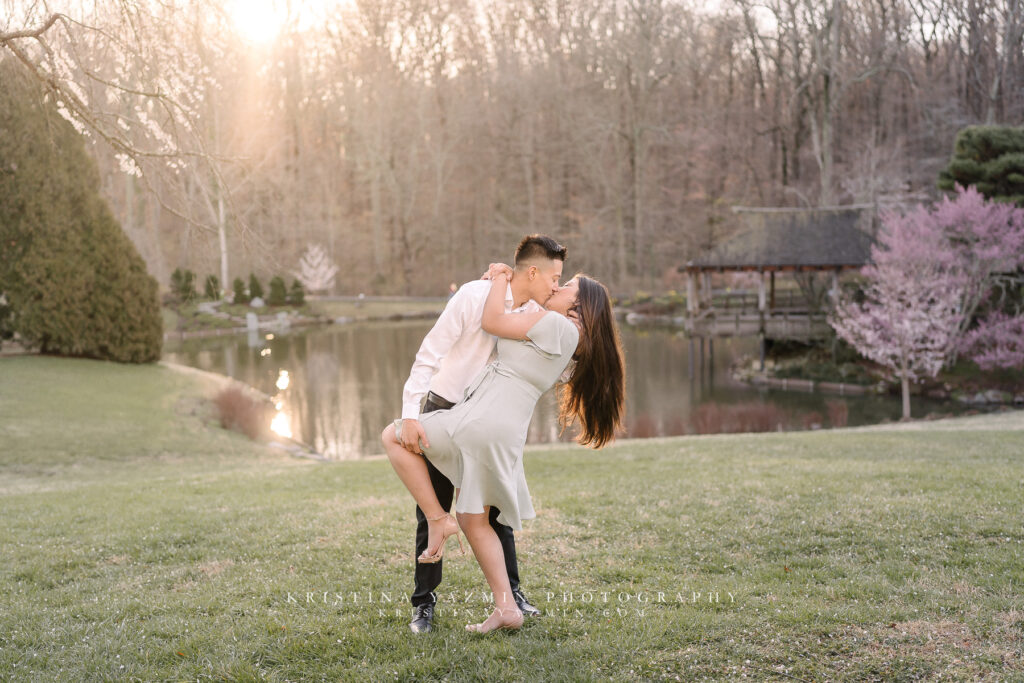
[282, 425]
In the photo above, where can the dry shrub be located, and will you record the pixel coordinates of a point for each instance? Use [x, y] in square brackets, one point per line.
[243, 413]
[838, 413]
[812, 420]
[725, 418]
[676, 426]
[643, 427]
[708, 418]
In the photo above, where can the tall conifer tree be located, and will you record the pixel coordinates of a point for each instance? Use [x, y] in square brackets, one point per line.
[75, 283]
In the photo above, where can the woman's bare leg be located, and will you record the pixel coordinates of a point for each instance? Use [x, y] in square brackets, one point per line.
[489, 554]
[412, 470]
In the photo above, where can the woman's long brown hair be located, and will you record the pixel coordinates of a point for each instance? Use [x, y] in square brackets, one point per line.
[595, 395]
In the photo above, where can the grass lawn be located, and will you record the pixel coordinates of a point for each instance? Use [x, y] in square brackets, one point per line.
[241, 310]
[188, 318]
[142, 542]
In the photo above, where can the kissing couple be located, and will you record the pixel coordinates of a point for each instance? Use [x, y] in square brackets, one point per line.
[499, 344]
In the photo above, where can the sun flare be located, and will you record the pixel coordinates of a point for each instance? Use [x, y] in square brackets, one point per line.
[258, 21]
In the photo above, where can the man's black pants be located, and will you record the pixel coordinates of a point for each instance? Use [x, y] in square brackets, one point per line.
[428, 576]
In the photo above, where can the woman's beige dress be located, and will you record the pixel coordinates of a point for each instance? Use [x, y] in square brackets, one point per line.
[478, 444]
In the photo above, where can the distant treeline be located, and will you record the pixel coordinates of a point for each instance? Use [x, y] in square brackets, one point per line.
[419, 140]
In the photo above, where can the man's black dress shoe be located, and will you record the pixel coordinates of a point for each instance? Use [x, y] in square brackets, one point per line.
[525, 607]
[422, 618]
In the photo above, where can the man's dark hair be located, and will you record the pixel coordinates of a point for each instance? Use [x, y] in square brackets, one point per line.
[539, 246]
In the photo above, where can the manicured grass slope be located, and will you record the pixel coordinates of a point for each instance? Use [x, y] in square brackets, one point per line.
[141, 542]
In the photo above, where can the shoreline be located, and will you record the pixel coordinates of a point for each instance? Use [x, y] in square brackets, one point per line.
[286, 443]
[274, 325]
[810, 385]
[1004, 418]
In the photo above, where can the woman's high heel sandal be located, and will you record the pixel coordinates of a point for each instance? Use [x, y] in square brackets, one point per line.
[451, 528]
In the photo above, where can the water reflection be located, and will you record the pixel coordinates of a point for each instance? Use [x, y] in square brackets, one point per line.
[336, 387]
[282, 380]
[282, 422]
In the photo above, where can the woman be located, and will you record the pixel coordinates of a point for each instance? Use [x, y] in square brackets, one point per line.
[478, 444]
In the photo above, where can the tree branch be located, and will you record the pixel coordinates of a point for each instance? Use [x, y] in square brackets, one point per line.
[31, 32]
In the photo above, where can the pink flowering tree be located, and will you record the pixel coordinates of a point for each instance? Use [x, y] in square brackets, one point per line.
[997, 342]
[986, 242]
[937, 272]
[912, 311]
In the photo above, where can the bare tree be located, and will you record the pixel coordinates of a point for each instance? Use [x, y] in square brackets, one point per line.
[417, 139]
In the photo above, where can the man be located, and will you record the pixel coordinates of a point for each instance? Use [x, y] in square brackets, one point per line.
[450, 357]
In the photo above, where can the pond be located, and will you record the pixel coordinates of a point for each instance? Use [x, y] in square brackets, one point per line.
[336, 387]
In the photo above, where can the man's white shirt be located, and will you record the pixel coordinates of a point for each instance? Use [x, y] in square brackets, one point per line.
[456, 348]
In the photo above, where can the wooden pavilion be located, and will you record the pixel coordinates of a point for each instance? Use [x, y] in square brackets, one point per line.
[769, 241]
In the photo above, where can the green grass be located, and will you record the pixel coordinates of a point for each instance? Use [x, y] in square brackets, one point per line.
[188, 318]
[141, 542]
[241, 310]
[968, 377]
[798, 361]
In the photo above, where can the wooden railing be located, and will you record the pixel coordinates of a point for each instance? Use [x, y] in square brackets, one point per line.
[787, 299]
[777, 324]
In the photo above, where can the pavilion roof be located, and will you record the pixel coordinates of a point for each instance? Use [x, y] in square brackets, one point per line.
[776, 239]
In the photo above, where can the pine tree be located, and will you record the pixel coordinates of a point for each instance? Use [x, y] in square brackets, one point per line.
[183, 285]
[177, 279]
[75, 283]
[990, 158]
[255, 288]
[297, 295]
[278, 293]
[211, 287]
[238, 287]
